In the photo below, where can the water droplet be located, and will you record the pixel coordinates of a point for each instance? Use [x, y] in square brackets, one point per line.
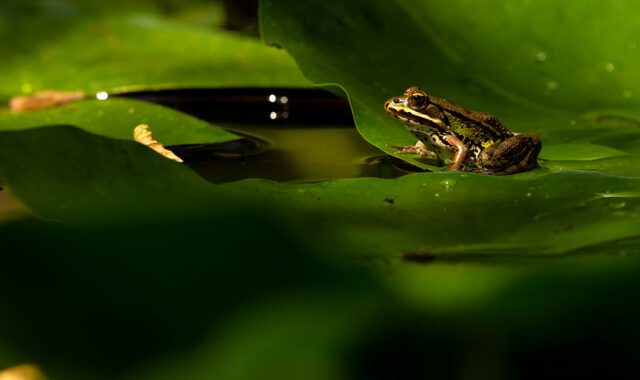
[617, 204]
[627, 94]
[539, 216]
[573, 122]
[620, 194]
[436, 195]
[551, 85]
[448, 183]
[609, 67]
[529, 194]
[541, 57]
[102, 95]
[26, 88]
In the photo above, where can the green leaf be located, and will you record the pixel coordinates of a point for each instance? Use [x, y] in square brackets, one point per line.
[92, 179]
[579, 152]
[201, 279]
[495, 58]
[84, 47]
[191, 252]
[117, 118]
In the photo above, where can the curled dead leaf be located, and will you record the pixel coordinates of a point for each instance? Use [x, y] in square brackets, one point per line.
[44, 99]
[22, 372]
[142, 134]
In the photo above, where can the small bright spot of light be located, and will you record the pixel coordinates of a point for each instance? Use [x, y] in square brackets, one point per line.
[284, 100]
[272, 98]
[26, 88]
[102, 95]
[273, 115]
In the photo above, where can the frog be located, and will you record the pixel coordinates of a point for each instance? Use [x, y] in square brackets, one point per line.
[466, 140]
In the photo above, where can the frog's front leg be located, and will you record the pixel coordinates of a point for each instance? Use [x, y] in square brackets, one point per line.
[418, 148]
[459, 160]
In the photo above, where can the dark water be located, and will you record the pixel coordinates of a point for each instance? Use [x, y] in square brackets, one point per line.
[292, 135]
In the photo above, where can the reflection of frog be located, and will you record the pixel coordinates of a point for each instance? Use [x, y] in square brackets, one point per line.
[476, 139]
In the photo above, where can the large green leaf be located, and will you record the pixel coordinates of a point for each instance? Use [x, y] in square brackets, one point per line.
[239, 280]
[87, 46]
[98, 179]
[537, 66]
[117, 118]
[150, 253]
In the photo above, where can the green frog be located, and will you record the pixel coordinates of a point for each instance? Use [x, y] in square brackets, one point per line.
[465, 139]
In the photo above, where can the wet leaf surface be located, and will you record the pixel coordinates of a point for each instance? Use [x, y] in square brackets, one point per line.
[345, 278]
[117, 118]
[115, 209]
[91, 47]
[566, 88]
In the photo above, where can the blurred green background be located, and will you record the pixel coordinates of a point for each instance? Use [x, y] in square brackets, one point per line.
[118, 263]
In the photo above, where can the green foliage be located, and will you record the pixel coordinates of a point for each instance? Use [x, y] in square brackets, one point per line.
[117, 118]
[534, 65]
[87, 46]
[133, 266]
[143, 244]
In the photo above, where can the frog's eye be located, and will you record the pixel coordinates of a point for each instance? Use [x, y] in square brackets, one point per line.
[418, 99]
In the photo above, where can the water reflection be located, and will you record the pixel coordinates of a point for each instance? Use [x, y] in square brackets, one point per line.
[292, 155]
[304, 135]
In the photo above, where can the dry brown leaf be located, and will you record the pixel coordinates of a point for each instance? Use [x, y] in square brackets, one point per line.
[44, 99]
[142, 134]
[22, 372]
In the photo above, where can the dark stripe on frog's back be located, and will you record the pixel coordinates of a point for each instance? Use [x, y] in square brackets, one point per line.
[485, 121]
[472, 133]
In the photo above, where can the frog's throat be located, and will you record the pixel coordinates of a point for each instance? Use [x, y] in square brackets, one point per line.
[409, 115]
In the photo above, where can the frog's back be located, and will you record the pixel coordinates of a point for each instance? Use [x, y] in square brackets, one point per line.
[485, 123]
[477, 130]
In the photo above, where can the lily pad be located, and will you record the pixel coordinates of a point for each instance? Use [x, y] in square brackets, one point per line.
[82, 47]
[122, 211]
[201, 279]
[112, 179]
[534, 79]
[116, 118]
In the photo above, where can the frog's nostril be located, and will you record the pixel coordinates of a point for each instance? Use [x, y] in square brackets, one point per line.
[396, 100]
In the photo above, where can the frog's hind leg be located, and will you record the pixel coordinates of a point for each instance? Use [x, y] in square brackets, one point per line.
[515, 154]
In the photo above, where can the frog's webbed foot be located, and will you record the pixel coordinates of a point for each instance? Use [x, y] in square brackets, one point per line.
[515, 154]
[418, 148]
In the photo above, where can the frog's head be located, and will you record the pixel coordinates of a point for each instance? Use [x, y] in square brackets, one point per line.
[414, 107]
